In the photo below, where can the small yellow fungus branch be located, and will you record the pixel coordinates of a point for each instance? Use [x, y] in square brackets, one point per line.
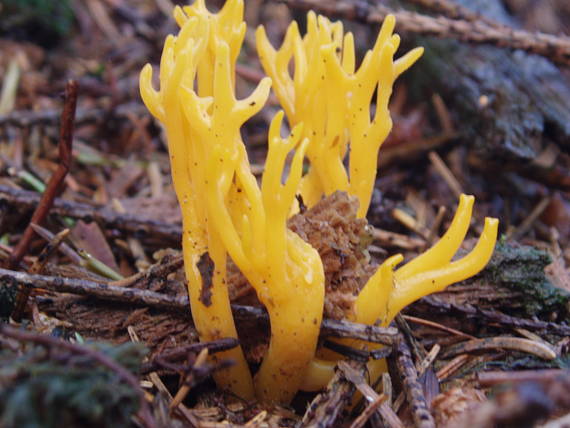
[334, 101]
[227, 25]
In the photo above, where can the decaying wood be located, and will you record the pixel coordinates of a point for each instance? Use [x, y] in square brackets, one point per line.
[488, 315]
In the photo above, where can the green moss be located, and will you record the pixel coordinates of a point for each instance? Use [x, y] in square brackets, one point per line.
[521, 269]
[7, 300]
[55, 388]
[43, 21]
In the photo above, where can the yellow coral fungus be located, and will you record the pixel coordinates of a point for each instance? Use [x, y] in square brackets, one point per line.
[225, 212]
[333, 101]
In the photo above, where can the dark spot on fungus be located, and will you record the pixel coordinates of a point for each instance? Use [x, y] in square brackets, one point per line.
[302, 206]
[206, 268]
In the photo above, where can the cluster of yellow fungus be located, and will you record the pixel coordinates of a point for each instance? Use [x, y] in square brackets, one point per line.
[333, 101]
[227, 213]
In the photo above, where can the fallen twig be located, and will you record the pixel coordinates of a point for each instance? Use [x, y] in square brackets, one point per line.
[183, 352]
[555, 48]
[494, 316]
[52, 188]
[96, 289]
[413, 389]
[161, 301]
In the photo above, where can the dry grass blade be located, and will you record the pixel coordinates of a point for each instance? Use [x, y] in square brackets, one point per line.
[511, 343]
[436, 325]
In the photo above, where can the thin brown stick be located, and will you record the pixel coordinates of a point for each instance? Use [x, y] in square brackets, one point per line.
[446, 174]
[438, 326]
[450, 9]
[53, 342]
[433, 231]
[188, 381]
[555, 48]
[157, 271]
[414, 392]
[52, 188]
[96, 289]
[182, 352]
[368, 411]
[51, 247]
[453, 366]
[397, 239]
[527, 223]
[63, 247]
[369, 333]
[422, 368]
